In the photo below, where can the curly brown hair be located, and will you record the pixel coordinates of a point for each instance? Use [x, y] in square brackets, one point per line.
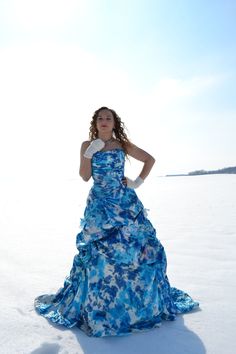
[118, 131]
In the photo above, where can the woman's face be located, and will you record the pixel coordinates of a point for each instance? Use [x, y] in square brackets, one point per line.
[105, 121]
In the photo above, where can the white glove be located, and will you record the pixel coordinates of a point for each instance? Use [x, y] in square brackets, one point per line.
[134, 184]
[95, 146]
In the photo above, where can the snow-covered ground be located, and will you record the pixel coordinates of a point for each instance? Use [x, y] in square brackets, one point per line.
[195, 218]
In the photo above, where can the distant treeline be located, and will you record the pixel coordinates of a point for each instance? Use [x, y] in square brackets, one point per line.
[222, 170]
[203, 172]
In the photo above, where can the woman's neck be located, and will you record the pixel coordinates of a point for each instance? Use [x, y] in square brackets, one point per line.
[105, 137]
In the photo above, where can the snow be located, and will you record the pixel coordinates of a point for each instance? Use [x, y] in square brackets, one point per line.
[195, 219]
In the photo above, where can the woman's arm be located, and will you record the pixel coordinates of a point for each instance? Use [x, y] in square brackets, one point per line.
[85, 169]
[143, 156]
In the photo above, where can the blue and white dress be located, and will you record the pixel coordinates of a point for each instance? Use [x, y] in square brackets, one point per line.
[118, 282]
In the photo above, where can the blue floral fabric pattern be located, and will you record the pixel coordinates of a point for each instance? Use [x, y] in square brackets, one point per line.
[118, 282]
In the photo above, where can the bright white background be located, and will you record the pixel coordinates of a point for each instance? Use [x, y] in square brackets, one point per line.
[168, 69]
[195, 221]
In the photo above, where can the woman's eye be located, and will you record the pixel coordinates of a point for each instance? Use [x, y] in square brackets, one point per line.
[107, 118]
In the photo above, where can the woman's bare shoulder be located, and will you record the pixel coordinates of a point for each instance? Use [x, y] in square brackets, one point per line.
[85, 144]
[117, 144]
[138, 153]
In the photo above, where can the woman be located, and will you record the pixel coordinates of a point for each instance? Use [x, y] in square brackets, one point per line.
[118, 282]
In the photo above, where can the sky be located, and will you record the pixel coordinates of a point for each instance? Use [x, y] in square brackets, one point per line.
[168, 68]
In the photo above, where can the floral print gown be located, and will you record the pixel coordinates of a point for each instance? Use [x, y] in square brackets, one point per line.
[118, 283]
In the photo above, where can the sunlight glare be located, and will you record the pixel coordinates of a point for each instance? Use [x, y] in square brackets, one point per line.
[30, 14]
